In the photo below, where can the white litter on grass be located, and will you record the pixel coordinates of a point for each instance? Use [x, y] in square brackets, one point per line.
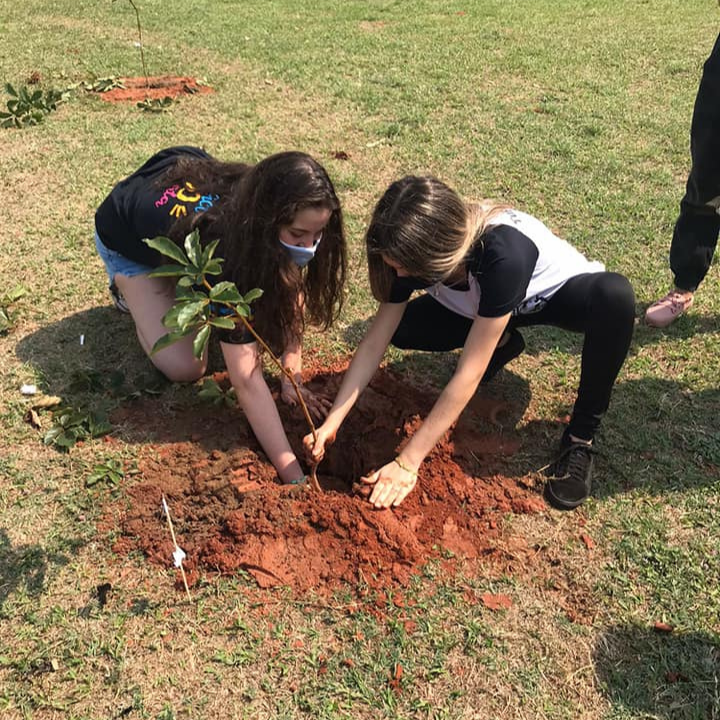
[28, 389]
[82, 339]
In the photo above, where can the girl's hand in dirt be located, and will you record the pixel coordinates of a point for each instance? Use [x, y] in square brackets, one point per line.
[315, 451]
[392, 483]
[318, 405]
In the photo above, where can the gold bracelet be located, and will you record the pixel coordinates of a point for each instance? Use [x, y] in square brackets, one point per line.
[404, 467]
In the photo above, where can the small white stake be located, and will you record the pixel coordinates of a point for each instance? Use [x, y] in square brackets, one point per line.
[179, 553]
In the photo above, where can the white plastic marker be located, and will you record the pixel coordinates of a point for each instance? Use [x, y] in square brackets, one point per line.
[179, 553]
[82, 339]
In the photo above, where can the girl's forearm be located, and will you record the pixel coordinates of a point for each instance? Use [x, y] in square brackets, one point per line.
[257, 402]
[451, 402]
[364, 363]
[479, 347]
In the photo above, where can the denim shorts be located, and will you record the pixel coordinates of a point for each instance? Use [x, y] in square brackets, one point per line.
[115, 263]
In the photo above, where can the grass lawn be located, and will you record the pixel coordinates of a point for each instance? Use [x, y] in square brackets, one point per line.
[577, 111]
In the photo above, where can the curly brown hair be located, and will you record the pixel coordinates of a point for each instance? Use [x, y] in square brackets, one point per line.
[255, 201]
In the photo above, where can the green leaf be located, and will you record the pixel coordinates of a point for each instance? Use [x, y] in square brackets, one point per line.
[170, 339]
[210, 390]
[98, 426]
[225, 292]
[192, 248]
[10, 90]
[167, 247]
[252, 295]
[223, 322]
[169, 271]
[208, 252]
[15, 294]
[214, 267]
[189, 293]
[243, 310]
[200, 342]
[170, 319]
[190, 313]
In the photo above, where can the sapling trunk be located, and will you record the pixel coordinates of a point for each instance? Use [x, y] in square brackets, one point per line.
[140, 40]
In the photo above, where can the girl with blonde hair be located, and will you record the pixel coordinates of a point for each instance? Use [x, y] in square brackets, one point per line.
[486, 270]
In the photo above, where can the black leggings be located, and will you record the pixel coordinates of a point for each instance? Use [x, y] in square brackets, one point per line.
[696, 230]
[599, 305]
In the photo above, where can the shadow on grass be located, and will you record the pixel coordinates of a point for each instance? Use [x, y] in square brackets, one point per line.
[24, 565]
[657, 435]
[660, 436]
[669, 676]
[80, 353]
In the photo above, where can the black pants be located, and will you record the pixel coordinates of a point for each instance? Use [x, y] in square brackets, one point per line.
[599, 305]
[696, 230]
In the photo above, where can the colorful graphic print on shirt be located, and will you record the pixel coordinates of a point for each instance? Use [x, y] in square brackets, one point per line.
[181, 199]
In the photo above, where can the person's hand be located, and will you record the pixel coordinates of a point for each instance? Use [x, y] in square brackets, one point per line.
[392, 483]
[318, 405]
[315, 450]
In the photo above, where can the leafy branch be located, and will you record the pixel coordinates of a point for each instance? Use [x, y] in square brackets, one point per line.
[201, 306]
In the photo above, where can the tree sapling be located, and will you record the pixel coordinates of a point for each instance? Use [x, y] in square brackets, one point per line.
[200, 306]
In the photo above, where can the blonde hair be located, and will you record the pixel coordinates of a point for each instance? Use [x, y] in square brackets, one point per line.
[425, 227]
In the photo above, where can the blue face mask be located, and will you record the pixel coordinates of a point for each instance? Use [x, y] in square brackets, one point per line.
[301, 256]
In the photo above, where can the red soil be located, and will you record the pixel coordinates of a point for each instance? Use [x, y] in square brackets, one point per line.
[231, 515]
[138, 89]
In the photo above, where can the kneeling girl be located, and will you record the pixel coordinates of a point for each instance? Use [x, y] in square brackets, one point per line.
[487, 270]
[280, 228]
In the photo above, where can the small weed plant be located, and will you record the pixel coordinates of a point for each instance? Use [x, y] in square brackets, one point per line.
[27, 106]
[156, 105]
[110, 472]
[71, 425]
[201, 306]
[213, 393]
[7, 313]
[101, 85]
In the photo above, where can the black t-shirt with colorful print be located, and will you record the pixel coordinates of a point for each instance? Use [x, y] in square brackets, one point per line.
[140, 206]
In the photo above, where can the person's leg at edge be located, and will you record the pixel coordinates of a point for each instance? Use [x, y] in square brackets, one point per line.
[696, 231]
[602, 306]
[148, 300]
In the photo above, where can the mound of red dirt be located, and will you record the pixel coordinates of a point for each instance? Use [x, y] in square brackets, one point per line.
[230, 513]
[137, 89]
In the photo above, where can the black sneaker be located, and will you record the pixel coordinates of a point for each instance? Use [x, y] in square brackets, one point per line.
[118, 299]
[503, 355]
[570, 476]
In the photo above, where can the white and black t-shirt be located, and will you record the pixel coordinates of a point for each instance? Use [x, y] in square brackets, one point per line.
[516, 266]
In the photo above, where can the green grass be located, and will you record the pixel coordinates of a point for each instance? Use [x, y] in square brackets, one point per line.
[575, 111]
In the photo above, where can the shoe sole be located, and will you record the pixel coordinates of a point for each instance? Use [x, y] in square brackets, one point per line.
[559, 504]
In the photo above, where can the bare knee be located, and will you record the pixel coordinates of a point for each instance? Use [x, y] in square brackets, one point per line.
[177, 368]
